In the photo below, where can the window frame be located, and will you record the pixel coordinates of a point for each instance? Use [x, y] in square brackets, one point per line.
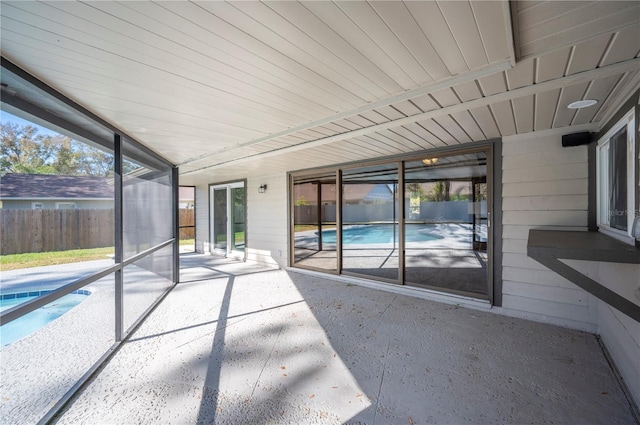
[603, 183]
[59, 204]
[37, 205]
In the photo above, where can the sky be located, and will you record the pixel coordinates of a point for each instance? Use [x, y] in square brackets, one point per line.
[6, 117]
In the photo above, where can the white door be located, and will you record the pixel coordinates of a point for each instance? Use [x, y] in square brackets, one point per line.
[228, 215]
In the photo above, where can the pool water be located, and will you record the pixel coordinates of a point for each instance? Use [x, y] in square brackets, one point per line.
[371, 234]
[29, 323]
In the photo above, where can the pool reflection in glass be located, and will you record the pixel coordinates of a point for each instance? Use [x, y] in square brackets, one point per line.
[370, 198]
[314, 206]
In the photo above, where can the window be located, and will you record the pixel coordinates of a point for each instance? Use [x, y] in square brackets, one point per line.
[419, 221]
[65, 205]
[37, 206]
[616, 179]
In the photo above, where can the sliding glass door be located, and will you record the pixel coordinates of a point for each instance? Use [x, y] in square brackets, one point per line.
[370, 232]
[314, 222]
[228, 214]
[422, 221]
[446, 223]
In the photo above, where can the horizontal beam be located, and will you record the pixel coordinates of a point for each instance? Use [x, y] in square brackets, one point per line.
[581, 77]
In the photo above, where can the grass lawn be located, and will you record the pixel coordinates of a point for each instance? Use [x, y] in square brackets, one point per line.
[37, 259]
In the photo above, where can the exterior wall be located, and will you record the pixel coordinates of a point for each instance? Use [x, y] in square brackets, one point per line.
[51, 204]
[267, 220]
[202, 218]
[620, 333]
[621, 336]
[544, 186]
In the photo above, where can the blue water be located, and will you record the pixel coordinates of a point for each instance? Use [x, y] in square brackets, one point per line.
[33, 321]
[377, 233]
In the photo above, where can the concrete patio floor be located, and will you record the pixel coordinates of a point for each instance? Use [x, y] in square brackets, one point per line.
[240, 344]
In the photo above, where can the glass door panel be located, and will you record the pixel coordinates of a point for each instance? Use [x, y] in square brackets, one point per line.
[237, 219]
[480, 215]
[228, 206]
[220, 219]
[446, 223]
[314, 218]
[370, 233]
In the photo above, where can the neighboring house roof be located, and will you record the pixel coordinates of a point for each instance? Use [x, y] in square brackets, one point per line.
[309, 193]
[381, 192]
[42, 186]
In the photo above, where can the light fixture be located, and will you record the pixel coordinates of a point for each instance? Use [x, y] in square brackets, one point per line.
[579, 104]
[430, 161]
[262, 188]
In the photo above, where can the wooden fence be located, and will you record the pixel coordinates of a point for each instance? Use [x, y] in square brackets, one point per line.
[55, 230]
[60, 230]
[187, 218]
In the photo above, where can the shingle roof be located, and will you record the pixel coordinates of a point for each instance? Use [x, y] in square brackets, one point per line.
[38, 186]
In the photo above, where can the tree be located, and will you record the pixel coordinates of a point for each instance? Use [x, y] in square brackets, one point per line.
[24, 150]
[417, 190]
[66, 159]
[441, 190]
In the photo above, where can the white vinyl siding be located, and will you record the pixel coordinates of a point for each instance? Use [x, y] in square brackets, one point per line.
[620, 333]
[266, 225]
[202, 218]
[544, 186]
[267, 220]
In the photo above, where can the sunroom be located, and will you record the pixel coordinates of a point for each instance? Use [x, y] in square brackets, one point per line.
[480, 154]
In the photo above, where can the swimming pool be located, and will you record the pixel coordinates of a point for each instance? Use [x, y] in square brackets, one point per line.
[33, 321]
[380, 233]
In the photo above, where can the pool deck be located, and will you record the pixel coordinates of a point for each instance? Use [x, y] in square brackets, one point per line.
[237, 343]
[39, 369]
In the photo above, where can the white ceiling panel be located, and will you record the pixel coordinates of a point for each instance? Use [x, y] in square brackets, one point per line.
[547, 25]
[429, 17]
[278, 84]
[399, 20]
[485, 119]
[545, 104]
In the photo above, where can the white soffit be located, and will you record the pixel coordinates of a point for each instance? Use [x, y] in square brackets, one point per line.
[210, 75]
[275, 86]
[542, 26]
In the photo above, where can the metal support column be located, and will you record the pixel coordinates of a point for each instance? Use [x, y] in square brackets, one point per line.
[118, 237]
[401, 222]
[175, 199]
[319, 213]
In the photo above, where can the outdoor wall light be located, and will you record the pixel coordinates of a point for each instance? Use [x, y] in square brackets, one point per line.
[262, 188]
